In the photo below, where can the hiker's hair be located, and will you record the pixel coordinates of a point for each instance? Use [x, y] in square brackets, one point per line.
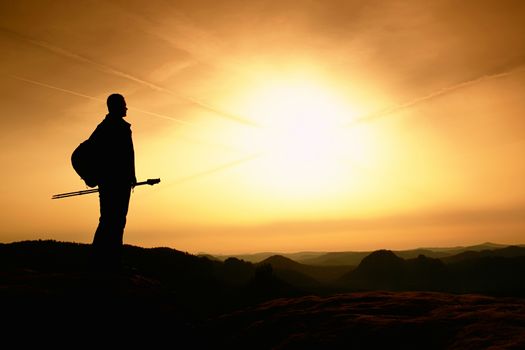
[115, 101]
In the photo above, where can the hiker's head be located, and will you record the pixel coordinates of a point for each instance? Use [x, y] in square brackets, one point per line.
[117, 105]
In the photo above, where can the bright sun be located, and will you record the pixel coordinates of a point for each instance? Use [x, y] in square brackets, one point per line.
[304, 148]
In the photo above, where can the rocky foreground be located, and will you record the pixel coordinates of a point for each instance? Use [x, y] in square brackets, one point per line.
[377, 320]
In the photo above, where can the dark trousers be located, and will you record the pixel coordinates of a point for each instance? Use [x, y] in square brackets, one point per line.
[107, 243]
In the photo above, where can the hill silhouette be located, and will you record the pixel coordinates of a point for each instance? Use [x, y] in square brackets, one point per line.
[292, 272]
[305, 276]
[354, 258]
[380, 270]
[259, 257]
[337, 259]
[203, 286]
[505, 252]
[385, 270]
[496, 272]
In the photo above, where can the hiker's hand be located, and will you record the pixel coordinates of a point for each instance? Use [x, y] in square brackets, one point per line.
[133, 183]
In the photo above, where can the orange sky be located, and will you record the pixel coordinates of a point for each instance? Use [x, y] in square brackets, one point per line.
[274, 125]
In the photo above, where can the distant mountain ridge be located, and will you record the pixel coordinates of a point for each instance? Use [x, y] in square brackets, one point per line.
[498, 271]
[470, 271]
[302, 275]
[258, 257]
[384, 270]
[506, 252]
[352, 258]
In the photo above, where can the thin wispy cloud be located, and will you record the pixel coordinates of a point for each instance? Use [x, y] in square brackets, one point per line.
[213, 170]
[75, 93]
[110, 70]
[436, 94]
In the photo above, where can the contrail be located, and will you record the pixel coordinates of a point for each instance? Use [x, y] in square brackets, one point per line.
[213, 170]
[107, 69]
[71, 92]
[147, 25]
[433, 95]
[162, 116]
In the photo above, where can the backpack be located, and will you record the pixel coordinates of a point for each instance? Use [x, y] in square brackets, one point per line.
[84, 161]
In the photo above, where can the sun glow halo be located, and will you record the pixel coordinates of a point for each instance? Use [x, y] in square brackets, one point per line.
[305, 150]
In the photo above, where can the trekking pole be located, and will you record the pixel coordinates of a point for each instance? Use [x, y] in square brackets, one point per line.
[95, 190]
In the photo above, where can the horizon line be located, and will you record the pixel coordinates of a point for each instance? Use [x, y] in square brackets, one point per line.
[280, 252]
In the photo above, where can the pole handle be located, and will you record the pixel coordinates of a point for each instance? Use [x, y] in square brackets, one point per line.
[150, 182]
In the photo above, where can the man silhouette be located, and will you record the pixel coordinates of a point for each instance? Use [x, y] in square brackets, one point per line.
[116, 177]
